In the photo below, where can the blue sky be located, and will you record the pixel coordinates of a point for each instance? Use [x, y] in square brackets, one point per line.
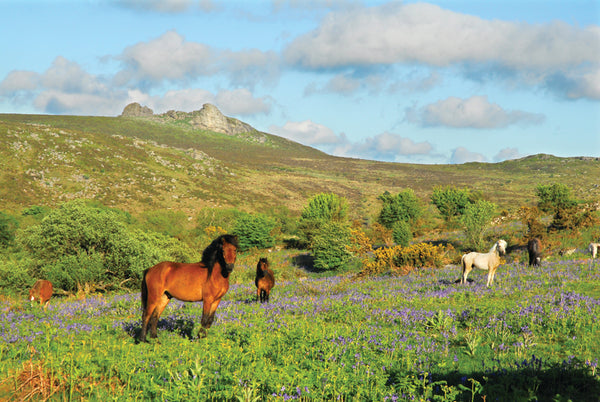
[418, 82]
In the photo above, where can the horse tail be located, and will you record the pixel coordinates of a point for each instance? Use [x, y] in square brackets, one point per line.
[144, 291]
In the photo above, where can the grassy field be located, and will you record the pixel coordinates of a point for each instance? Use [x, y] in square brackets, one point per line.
[139, 165]
[531, 336]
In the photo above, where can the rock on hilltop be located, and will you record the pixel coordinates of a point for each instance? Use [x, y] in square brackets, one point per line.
[207, 118]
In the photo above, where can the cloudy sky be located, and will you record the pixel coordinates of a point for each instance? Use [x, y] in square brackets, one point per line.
[419, 82]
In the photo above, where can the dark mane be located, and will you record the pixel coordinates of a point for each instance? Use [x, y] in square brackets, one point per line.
[214, 252]
[259, 271]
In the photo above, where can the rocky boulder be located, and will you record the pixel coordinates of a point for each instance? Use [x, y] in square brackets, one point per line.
[137, 110]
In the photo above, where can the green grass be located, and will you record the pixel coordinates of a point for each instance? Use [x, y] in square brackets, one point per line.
[532, 336]
[141, 165]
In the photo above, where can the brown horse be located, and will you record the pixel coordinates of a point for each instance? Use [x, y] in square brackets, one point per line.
[207, 281]
[534, 249]
[264, 281]
[42, 291]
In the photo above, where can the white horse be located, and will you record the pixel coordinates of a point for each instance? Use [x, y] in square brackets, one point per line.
[486, 261]
[593, 249]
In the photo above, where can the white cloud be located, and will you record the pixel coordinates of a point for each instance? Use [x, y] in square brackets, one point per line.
[168, 57]
[426, 34]
[389, 146]
[463, 155]
[17, 81]
[306, 132]
[241, 102]
[475, 112]
[506, 154]
[162, 6]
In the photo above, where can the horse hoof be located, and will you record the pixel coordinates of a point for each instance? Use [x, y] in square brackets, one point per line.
[202, 333]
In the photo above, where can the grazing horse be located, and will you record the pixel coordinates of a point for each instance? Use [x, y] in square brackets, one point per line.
[534, 248]
[264, 281]
[593, 249]
[488, 261]
[42, 291]
[207, 281]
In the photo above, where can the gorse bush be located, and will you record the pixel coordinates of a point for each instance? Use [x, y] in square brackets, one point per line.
[254, 231]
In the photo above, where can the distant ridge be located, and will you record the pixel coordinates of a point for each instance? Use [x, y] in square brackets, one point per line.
[208, 118]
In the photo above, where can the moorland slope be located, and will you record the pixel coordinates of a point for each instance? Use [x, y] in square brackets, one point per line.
[150, 162]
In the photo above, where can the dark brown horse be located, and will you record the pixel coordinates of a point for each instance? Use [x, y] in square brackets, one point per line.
[534, 248]
[41, 291]
[264, 281]
[207, 281]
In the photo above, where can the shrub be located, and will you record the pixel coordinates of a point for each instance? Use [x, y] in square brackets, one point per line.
[76, 272]
[402, 233]
[451, 201]
[404, 207]
[8, 225]
[421, 255]
[321, 209]
[254, 231]
[330, 246]
[475, 221]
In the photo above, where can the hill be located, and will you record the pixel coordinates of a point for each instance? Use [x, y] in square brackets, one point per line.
[169, 161]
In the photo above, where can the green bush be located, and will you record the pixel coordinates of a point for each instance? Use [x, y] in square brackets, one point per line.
[254, 231]
[402, 233]
[330, 246]
[451, 201]
[475, 221]
[74, 272]
[321, 209]
[8, 225]
[404, 207]
[78, 234]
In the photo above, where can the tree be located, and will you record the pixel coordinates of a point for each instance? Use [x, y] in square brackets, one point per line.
[254, 231]
[554, 197]
[330, 246]
[475, 220]
[321, 209]
[8, 225]
[451, 201]
[404, 207]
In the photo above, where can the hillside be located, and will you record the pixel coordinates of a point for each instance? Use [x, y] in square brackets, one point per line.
[139, 163]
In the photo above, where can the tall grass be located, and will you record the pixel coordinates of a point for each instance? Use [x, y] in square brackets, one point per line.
[532, 336]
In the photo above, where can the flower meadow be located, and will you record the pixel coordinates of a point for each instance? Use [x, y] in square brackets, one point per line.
[533, 335]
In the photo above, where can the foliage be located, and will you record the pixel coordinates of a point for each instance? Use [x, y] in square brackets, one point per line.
[8, 225]
[421, 255]
[554, 197]
[399, 259]
[402, 233]
[321, 209]
[330, 246]
[533, 336]
[78, 236]
[169, 223]
[475, 220]
[530, 217]
[254, 230]
[404, 207]
[451, 201]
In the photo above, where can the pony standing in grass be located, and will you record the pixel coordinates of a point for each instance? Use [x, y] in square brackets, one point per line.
[593, 249]
[42, 291]
[534, 248]
[206, 281]
[264, 281]
[488, 261]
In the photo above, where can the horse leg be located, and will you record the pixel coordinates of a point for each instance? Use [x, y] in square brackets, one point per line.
[258, 294]
[158, 309]
[208, 316]
[465, 272]
[491, 274]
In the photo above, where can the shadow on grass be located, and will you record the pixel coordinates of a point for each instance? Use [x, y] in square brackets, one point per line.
[528, 380]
